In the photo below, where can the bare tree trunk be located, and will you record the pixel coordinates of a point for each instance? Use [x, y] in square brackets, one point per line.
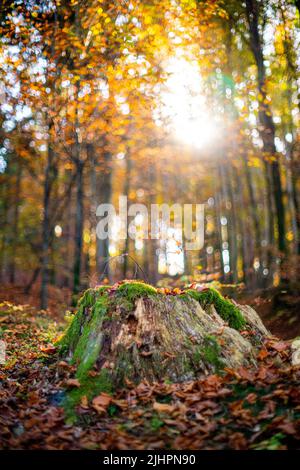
[241, 224]
[78, 227]
[126, 193]
[46, 224]
[15, 227]
[266, 121]
[253, 206]
[67, 234]
[105, 191]
[232, 223]
[152, 271]
[218, 206]
[5, 226]
[291, 164]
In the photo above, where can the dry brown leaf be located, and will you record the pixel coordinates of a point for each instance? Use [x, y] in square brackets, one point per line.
[73, 383]
[101, 402]
[84, 403]
[163, 407]
[279, 346]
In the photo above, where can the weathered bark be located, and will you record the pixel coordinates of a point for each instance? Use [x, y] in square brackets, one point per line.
[132, 332]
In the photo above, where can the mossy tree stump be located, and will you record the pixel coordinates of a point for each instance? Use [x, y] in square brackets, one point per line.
[132, 331]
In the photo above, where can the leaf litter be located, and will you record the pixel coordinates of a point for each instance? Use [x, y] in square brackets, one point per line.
[240, 409]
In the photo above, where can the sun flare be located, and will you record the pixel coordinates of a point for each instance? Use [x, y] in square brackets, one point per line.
[184, 105]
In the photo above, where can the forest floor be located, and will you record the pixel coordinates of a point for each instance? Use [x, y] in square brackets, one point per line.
[243, 409]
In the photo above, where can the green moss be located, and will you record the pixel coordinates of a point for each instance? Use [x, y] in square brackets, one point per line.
[94, 302]
[89, 387]
[156, 423]
[133, 290]
[209, 353]
[84, 339]
[70, 338]
[275, 442]
[229, 312]
[91, 338]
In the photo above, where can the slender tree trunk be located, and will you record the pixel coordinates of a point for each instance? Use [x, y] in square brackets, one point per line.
[241, 224]
[232, 223]
[78, 227]
[266, 121]
[67, 234]
[253, 206]
[105, 191]
[218, 206]
[15, 227]
[294, 179]
[292, 166]
[46, 224]
[126, 193]
[5, 190]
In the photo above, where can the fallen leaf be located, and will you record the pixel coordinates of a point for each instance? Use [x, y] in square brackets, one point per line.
[49, 349]
[279, 346]
[288, 428]
[64, 365]
[84, 403]
[263, 353]
[101, 402]
[163, 407]
[73, 383]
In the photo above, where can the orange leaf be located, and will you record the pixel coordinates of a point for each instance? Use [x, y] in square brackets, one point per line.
[73, 383]
[101, 402]
[263, 353]
[48, 349]
[84, 403]
[163, 407]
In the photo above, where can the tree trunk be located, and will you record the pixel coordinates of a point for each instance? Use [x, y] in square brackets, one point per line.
[132, 332]
[126, 193]
[104, 195]
[78, 227]
[266, 121]
[46, 224]
[15, 227]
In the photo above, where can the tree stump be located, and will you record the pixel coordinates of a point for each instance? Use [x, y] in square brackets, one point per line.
[132, 331]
